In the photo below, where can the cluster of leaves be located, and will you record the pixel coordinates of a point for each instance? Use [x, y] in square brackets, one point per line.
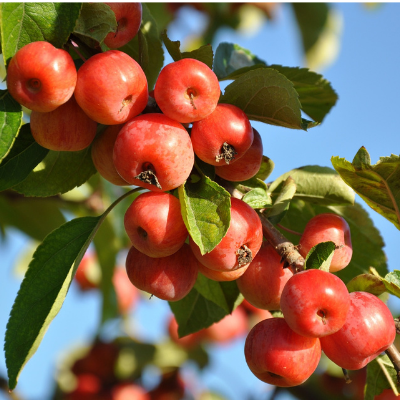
[36, 182]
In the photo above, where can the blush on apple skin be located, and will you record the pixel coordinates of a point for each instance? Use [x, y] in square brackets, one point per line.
[111, 88]
[67, 128]
[266, 267]
[168, 278]
[246, 166]
[315, 303]
[368, 331]
[158, 143]
[129, 18]
[41, 77]
[155, 225]
[279, 356]
[324, 228]
[187, 90]
[245, 229]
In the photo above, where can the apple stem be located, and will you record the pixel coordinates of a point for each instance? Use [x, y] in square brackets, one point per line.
[397, 325]
[288, 230]
[287, 250]
[394, 357]
[346, 375]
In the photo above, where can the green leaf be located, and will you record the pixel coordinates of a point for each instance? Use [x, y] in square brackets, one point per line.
[23, 23]
[59, 172]
[266, 95]
[195, 312]
[223, 294]
[320, 185]
[380, 375]
[266, 168]
[378, 185]
[392, 282]
[366, 240]
[24, 156]
[282, 202]
[35, 217]
[320, 256]
[203, 54]
[153, 47]
[95, 21]
[316, 94]
[206, 211]
[43, 291]
[10, 121]
[231, 58]
[258, 198]
[366, 283]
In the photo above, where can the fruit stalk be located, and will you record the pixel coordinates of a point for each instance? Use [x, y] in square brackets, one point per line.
[394, 357]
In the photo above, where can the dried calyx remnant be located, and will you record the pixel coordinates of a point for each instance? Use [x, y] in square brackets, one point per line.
[227, 153]
[245, 255]
[149, 176]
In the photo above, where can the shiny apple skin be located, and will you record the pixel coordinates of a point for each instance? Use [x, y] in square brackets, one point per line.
[222, 276]
[180, 79]
[155, 225]
[279, 356]
[160, 141]
[129, 18]
[246, 166]
[266, 267]
[245, 229]
[111, 88]
[368, 331]
[315, 303]
[324, 228]
[102, 155]
[227, 123]
[67, 128]
[168, 278]
[41, 62]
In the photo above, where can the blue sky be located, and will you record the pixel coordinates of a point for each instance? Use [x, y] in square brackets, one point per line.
[365, 75]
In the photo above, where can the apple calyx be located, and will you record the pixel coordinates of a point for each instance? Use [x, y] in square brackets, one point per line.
[245, 255]
[228, 153]
[149, 177]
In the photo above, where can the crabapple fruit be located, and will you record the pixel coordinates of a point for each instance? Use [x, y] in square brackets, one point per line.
[246, 166]
[154, 152]
[279, 356]
[324, 228]
[102, 155]
[41, 77]
[129, 18]
[315, 303]
[187, 90]
[266, 267]
[111, 87]
[67, 128]
[240, 244]
[222, 137]
[368, 331]
[168, 278]
[155, 225]
[189, 341]
[222, 276]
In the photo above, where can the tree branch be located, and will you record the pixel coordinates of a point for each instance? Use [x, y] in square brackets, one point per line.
[394, 357]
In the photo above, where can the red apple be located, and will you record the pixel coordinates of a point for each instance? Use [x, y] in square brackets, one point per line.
[155, 225]
[189, 341]
[266, 267]
[111, 88]
[127, 294]
[240, 244]
[129, 18]
[187, 90]
[129, 391]
[368, 331]
[168, 278]
[279, 356]
[222, 137]
[154, 152]
[387, 394]
[246, 166]
[67, 128]
[102, 155]
[88, 274]
[324, 228]
[315, 303]
[229, 328]
[41, 77]
[254, 314]
[222, 276]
